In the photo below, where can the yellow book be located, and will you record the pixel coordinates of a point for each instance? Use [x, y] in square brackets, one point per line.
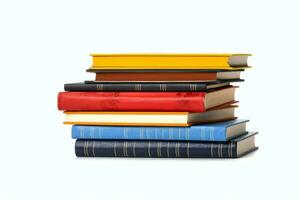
[148, 118]
[169, 61]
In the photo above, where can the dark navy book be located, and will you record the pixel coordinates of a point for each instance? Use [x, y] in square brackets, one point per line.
[147, 86]
[234, 148]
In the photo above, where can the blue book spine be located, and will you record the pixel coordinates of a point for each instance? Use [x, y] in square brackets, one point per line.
[193, 133]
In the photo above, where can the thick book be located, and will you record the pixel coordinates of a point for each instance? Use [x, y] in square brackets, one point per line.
[145, 101]
[149, 118]
[144, 87]
[221, 131]
[234, 148]
[166, 76]
[170, 61]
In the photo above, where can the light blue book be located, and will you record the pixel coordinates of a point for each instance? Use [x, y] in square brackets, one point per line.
[221, 131]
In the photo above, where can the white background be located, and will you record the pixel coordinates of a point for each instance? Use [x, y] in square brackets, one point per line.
[45, 44]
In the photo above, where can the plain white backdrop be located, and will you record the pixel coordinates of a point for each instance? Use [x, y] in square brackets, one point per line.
[44, 44]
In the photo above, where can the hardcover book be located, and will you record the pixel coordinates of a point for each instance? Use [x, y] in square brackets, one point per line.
[234, 148]
[149, 118]
[221, 131]
[144, 87]
[145, 101]
[167, 76]
[170, 61]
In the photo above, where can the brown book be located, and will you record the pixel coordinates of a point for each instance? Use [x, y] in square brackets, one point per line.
[165, 76]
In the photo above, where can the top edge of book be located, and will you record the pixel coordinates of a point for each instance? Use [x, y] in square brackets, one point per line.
[170, 54]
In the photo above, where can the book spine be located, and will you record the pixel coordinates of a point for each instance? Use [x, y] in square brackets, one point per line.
[136, 87]
[162, 62]
[154, 149]
[78, 87]
[157, 76]
[150, 133]
[132, 101]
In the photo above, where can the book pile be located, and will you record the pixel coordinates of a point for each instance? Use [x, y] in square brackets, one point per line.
[158, 105]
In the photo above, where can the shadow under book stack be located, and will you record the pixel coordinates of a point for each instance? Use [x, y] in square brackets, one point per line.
[158, 105]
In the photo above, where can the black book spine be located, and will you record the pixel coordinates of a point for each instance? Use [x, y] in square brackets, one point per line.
[138, 87]
[80, 87]
[154, 149]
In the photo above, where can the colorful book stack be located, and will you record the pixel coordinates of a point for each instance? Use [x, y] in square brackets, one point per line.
[158, 105]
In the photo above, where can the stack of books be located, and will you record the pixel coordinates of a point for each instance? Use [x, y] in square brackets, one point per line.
[158, 105]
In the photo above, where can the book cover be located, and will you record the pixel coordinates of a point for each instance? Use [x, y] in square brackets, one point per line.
[144, 87]
[157, 76]
[234, 148]
[116, 118]
[167, 76]
[144, 101]
[221, 131]
[170, 61]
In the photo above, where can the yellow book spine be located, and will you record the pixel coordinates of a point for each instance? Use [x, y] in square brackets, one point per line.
[159, 61]
[162, 62]
[125, 124]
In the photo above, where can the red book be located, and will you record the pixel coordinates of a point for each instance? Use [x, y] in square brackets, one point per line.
[145, 101]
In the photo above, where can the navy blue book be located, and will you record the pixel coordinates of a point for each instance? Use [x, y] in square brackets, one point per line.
[221, 131]
[234, 148]
[147, 86]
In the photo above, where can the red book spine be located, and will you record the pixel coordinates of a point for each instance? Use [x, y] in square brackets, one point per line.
[132, 101]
